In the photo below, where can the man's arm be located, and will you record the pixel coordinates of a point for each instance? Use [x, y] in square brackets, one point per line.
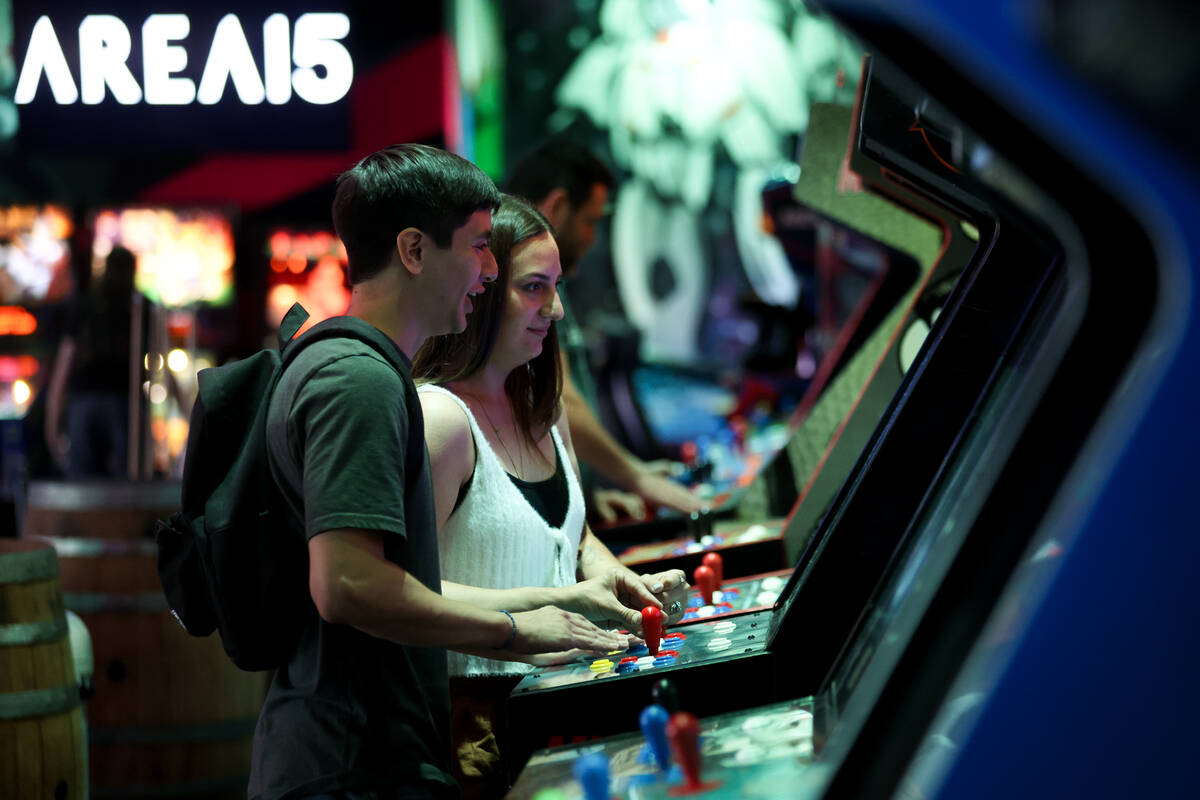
[600, 451]
[353, 584]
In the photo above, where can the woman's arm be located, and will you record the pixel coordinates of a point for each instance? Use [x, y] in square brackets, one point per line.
[596, 560]
[451, 451]
[56, 400]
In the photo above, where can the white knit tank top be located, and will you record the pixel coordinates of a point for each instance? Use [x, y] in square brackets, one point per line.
[496, 540]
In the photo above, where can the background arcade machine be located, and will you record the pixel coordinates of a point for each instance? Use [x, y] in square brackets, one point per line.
[1012, 283]
[834, 424]
[1000, 604]
[306, 267]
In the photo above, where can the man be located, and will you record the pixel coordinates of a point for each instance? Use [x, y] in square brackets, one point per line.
[570, 186]
[361, 709]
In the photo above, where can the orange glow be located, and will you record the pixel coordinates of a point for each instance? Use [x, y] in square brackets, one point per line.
[279, 265]
[16, 321]
[281, 244]
[297, 263]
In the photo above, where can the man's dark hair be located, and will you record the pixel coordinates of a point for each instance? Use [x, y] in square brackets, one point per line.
[555, 163]
[533, 389]
[405, 186]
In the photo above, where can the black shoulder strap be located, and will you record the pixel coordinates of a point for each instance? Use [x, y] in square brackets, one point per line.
[336, 328]
[292, 320]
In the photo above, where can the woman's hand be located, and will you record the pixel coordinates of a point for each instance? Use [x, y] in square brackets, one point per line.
[671, 589]
[617, 594]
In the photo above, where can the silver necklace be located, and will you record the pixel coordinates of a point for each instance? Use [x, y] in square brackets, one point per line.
[500, 439]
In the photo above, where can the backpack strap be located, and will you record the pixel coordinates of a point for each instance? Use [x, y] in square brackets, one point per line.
[345, 328]
[292, 321]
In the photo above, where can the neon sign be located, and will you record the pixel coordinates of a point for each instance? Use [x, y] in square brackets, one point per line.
[306, 59]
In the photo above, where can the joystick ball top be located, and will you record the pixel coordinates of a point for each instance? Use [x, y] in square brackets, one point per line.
[652, 624]
[706, 582]
[591, 770]
[666, 695]
[683, 732]
[713, 561]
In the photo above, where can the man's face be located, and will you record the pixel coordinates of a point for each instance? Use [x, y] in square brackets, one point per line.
[457, 272]
[578, 232]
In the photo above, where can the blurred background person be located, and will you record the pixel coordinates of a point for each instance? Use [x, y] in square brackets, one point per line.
[88, 390]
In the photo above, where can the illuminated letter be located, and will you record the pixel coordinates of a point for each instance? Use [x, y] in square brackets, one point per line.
[160, 59]
[230, 57]
[45, 55]
[103, 49]
[316, 44]
[277, 59]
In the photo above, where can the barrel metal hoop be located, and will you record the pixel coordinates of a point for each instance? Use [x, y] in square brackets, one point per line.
[103, 494]
[97, 602]
[175, 734]
[29, 565]
[32, 632]
[198, 788]
[76, 547]
[38, 702]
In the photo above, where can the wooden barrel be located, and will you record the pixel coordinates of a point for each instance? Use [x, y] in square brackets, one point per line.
[42, 740]
[171, 716]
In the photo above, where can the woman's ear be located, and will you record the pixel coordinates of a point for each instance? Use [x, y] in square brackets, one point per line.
[410, 244]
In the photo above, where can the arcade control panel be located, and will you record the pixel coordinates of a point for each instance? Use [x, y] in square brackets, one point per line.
[751, 753]
[755, 593]
[708, 640]
[746, 549]
[731, 651]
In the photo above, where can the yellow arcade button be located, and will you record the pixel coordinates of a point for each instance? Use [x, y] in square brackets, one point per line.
[601, 665]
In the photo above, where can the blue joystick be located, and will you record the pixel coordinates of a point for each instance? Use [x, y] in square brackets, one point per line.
[653, 722]
[591, 770]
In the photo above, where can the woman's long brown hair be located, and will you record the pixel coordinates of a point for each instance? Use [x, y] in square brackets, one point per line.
[533, 389]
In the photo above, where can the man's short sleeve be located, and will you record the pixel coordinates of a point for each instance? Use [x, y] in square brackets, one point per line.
[350, 424]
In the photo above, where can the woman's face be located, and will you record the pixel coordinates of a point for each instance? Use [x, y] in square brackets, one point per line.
[532, 302]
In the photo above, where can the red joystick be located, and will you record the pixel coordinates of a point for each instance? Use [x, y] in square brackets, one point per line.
[683, 733]
[713, 561]
[652, 619]
[706, 580]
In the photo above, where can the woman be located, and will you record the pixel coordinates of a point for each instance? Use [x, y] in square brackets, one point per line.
[506, 486]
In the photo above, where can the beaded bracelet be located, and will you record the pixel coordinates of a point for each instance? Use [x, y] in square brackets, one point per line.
[512, 637]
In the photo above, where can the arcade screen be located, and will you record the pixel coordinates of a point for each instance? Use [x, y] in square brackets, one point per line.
[733, 424]
[184, 256]
[306, 267]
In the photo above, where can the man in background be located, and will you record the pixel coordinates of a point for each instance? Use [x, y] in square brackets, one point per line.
[570, 186]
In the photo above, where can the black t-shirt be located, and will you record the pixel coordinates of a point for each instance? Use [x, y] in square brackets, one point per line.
[100, 327]
[351, 711]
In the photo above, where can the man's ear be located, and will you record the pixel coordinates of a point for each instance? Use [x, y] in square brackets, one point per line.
[556, 207]
[410, 244]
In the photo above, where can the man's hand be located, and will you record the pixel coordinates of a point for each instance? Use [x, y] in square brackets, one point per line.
[660, 491]
[552, 630]
[610, 505]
